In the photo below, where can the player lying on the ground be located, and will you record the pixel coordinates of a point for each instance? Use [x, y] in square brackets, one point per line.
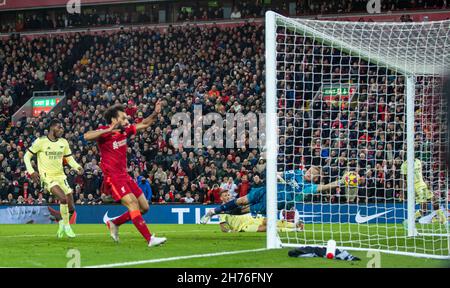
[51, 151]
[423, 193]
[247, 223]
[112, 143]
[290, 189]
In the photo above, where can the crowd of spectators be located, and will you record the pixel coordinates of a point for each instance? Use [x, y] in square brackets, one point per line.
[256, 9]
[216, 68]
[202, 11]
[219, 69]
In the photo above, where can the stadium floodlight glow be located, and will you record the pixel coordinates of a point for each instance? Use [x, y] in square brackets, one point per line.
[364, 97]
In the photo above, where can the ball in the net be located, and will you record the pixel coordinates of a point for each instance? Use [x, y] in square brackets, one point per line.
[351, 179]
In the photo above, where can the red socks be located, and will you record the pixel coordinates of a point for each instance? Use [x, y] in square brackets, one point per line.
[125, 217]
[140, 224]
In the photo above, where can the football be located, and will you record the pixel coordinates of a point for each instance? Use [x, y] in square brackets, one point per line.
[351, 179]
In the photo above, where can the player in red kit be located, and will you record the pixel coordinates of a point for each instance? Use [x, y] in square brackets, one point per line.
[112, 143]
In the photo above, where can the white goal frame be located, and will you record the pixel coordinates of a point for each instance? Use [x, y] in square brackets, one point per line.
[409, 70]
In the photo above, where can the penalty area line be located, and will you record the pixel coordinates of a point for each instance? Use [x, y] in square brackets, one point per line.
[174, 258]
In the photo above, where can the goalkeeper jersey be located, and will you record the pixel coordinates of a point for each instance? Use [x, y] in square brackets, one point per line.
[418, 177]
[50, 155]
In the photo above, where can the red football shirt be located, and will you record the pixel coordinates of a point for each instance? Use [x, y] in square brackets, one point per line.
[113, 151]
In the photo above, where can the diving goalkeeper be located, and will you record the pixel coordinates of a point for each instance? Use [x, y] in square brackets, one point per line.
[292, 186]
[247, 223]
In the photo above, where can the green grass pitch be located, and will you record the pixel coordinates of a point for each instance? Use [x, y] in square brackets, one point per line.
[37, 246]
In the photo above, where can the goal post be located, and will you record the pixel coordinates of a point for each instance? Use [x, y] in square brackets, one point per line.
[271, 129]
[410, 86]
[362, 98]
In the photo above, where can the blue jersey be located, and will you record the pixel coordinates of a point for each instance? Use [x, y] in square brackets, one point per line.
[295, 186]
[287, 193]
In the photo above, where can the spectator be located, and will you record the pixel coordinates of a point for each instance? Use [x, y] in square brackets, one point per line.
[230, 186]
[161, 196]
[91, 200]
[213, 195]
[144, 184]
[160, 175]
[10, 200]
[167, 198]
[20, 200]
[177, 197]
[197, 198]
[243, 187]
[29, 200]
[188, 198]
[40, 200]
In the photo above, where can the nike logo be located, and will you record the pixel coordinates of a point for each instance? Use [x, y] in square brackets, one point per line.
[363, 219]
[106, 218]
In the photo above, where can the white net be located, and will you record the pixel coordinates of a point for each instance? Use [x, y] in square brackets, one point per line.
[341, 90]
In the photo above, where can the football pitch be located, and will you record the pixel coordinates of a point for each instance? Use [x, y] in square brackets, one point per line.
[188, 246]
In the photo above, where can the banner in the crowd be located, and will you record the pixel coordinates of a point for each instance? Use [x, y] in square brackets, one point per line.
[158, 214]
[24, 215]
[352, 213]
[191, 214]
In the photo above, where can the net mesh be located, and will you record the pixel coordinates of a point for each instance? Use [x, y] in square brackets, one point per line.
[341, 106]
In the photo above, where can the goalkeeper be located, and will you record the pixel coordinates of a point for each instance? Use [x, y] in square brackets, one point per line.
[423, 193]
[290, 189]
[247, 223]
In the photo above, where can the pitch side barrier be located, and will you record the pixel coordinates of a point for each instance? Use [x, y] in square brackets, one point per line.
[313, 213]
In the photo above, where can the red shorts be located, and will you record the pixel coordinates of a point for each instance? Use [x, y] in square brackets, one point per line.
[118, 187]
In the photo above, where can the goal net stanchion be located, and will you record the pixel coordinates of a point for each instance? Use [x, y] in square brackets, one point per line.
[365, 98]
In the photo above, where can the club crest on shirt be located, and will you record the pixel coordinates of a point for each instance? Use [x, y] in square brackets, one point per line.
[118, 144]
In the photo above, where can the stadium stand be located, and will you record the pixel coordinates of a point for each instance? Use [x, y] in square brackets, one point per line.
[137, 13]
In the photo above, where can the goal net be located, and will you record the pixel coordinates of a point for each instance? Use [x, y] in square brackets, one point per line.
[355, 107]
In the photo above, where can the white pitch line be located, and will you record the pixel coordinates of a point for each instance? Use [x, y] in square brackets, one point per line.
[50, 235]
[90, 234]
[39, 264]
[174, 258]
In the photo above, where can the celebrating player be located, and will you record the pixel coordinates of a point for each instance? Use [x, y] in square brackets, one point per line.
[291, 188]
[50, 152]
[423, 193]
[247, 223]
[112, 143]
